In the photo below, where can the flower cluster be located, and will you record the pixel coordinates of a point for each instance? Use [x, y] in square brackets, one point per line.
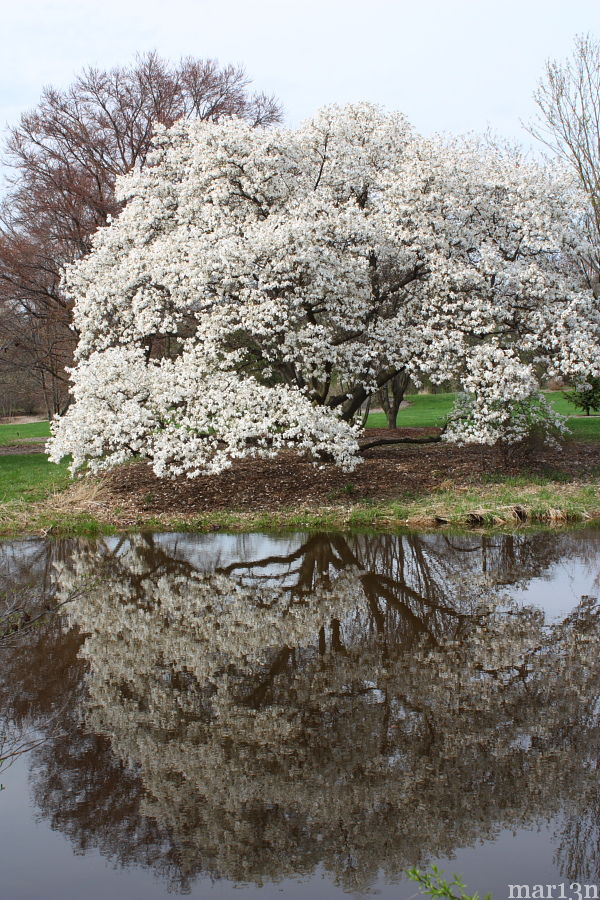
[501, 402]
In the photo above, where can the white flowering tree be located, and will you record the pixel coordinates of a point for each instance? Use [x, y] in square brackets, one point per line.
[261, 284]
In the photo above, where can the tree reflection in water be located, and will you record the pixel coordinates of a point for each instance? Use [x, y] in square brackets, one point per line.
[360, 703]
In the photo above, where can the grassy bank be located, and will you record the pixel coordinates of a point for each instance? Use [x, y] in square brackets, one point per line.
[84, 509]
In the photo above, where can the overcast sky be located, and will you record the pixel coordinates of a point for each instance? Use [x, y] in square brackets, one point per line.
[450, 65]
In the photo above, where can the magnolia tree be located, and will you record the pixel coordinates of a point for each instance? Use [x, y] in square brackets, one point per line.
[261, 284]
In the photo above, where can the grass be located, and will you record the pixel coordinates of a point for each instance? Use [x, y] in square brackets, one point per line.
[586, 429]
[425, 411]
[16, 434]
[30, 477]
[430, 410]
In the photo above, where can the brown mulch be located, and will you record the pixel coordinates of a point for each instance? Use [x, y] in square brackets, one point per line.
[398, 471]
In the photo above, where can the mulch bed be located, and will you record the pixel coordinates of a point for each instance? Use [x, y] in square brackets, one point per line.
[387, 472]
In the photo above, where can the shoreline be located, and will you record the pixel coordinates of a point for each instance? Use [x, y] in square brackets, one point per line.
[87, 508]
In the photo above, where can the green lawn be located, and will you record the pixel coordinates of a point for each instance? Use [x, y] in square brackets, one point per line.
[587, 429]
[15, 434]
[30, 477]
[426, 410]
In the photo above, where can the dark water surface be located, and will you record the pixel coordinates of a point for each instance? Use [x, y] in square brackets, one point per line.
[298, 716]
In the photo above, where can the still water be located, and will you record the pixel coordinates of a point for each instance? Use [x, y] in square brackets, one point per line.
[306, 715]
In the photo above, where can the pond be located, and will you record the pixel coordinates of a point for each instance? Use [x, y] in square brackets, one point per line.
[298, 715]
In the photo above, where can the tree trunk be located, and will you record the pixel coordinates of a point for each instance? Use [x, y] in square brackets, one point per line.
[365, 412]
[392, 395]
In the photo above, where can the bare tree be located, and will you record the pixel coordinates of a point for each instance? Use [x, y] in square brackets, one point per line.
[568, 122]
[65, 156]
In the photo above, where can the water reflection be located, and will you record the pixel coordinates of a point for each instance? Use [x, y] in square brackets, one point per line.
[253, 709]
